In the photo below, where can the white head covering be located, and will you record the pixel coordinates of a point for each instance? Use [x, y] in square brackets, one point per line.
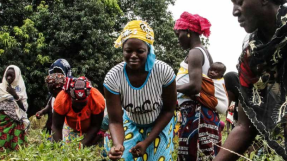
[18, 84]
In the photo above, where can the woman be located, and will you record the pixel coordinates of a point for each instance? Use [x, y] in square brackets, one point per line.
[13, 107]
[60, 66]
[55, 83]
[232, 87]
[199, 123]
[262, 76]
[82, 111]
[145, 88]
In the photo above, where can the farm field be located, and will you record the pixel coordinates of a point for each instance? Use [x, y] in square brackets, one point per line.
[41, 149]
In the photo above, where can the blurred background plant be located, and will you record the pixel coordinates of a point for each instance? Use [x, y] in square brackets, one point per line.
[35, 33]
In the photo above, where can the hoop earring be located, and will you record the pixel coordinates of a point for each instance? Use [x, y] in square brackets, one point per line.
[188, 35]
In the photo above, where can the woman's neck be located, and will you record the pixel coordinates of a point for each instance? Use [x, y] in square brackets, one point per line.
[265, 34]
[77, 110]
[268, 28]
[135, 72]
[195, 42]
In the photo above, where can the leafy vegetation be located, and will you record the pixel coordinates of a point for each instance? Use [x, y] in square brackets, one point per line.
[40, 148]
[258, 151]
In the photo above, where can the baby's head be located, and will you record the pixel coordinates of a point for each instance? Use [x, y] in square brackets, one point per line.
[216, 70]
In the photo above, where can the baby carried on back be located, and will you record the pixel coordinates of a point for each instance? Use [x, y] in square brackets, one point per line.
[213, 93]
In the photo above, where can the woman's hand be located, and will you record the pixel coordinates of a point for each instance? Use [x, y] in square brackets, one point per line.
[12, 91]
[91, 137]
[116, 152]
[139, 150]
[231, 108]
[39, 114]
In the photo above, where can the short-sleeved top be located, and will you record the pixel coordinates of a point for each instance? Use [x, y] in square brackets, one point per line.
[141, 104]
[79, 121]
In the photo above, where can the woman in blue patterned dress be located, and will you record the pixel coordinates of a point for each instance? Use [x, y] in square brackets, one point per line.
[146, 91]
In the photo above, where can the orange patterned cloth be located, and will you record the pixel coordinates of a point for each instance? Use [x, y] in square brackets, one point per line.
[79, 121]
[213, 94]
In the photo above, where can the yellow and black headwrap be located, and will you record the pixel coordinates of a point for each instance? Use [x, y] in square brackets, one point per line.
[140, 30]
[136, 29]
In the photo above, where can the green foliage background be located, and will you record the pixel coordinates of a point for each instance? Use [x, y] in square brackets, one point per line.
[35, 33]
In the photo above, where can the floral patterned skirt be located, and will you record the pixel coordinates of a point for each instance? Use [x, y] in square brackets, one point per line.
[12, 133]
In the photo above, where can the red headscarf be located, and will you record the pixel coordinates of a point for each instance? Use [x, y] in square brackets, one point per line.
[193, 23]
[80, 88]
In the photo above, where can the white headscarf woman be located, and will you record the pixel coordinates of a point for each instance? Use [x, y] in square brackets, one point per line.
[18, 86]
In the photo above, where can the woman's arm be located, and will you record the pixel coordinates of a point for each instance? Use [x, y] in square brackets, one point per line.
[48, 108]
[45, 110]
[96, 121]
[169, 102]
[242, 136]
[57, 126]
[113, 103]
[20, 104]
[16, 97]
[167, 112]
[195, 61]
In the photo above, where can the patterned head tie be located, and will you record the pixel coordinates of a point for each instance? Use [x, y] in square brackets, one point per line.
[63, 65]
[80, 89]
[193, 23]
[136, 29]
[139, 30]
[55, 80]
